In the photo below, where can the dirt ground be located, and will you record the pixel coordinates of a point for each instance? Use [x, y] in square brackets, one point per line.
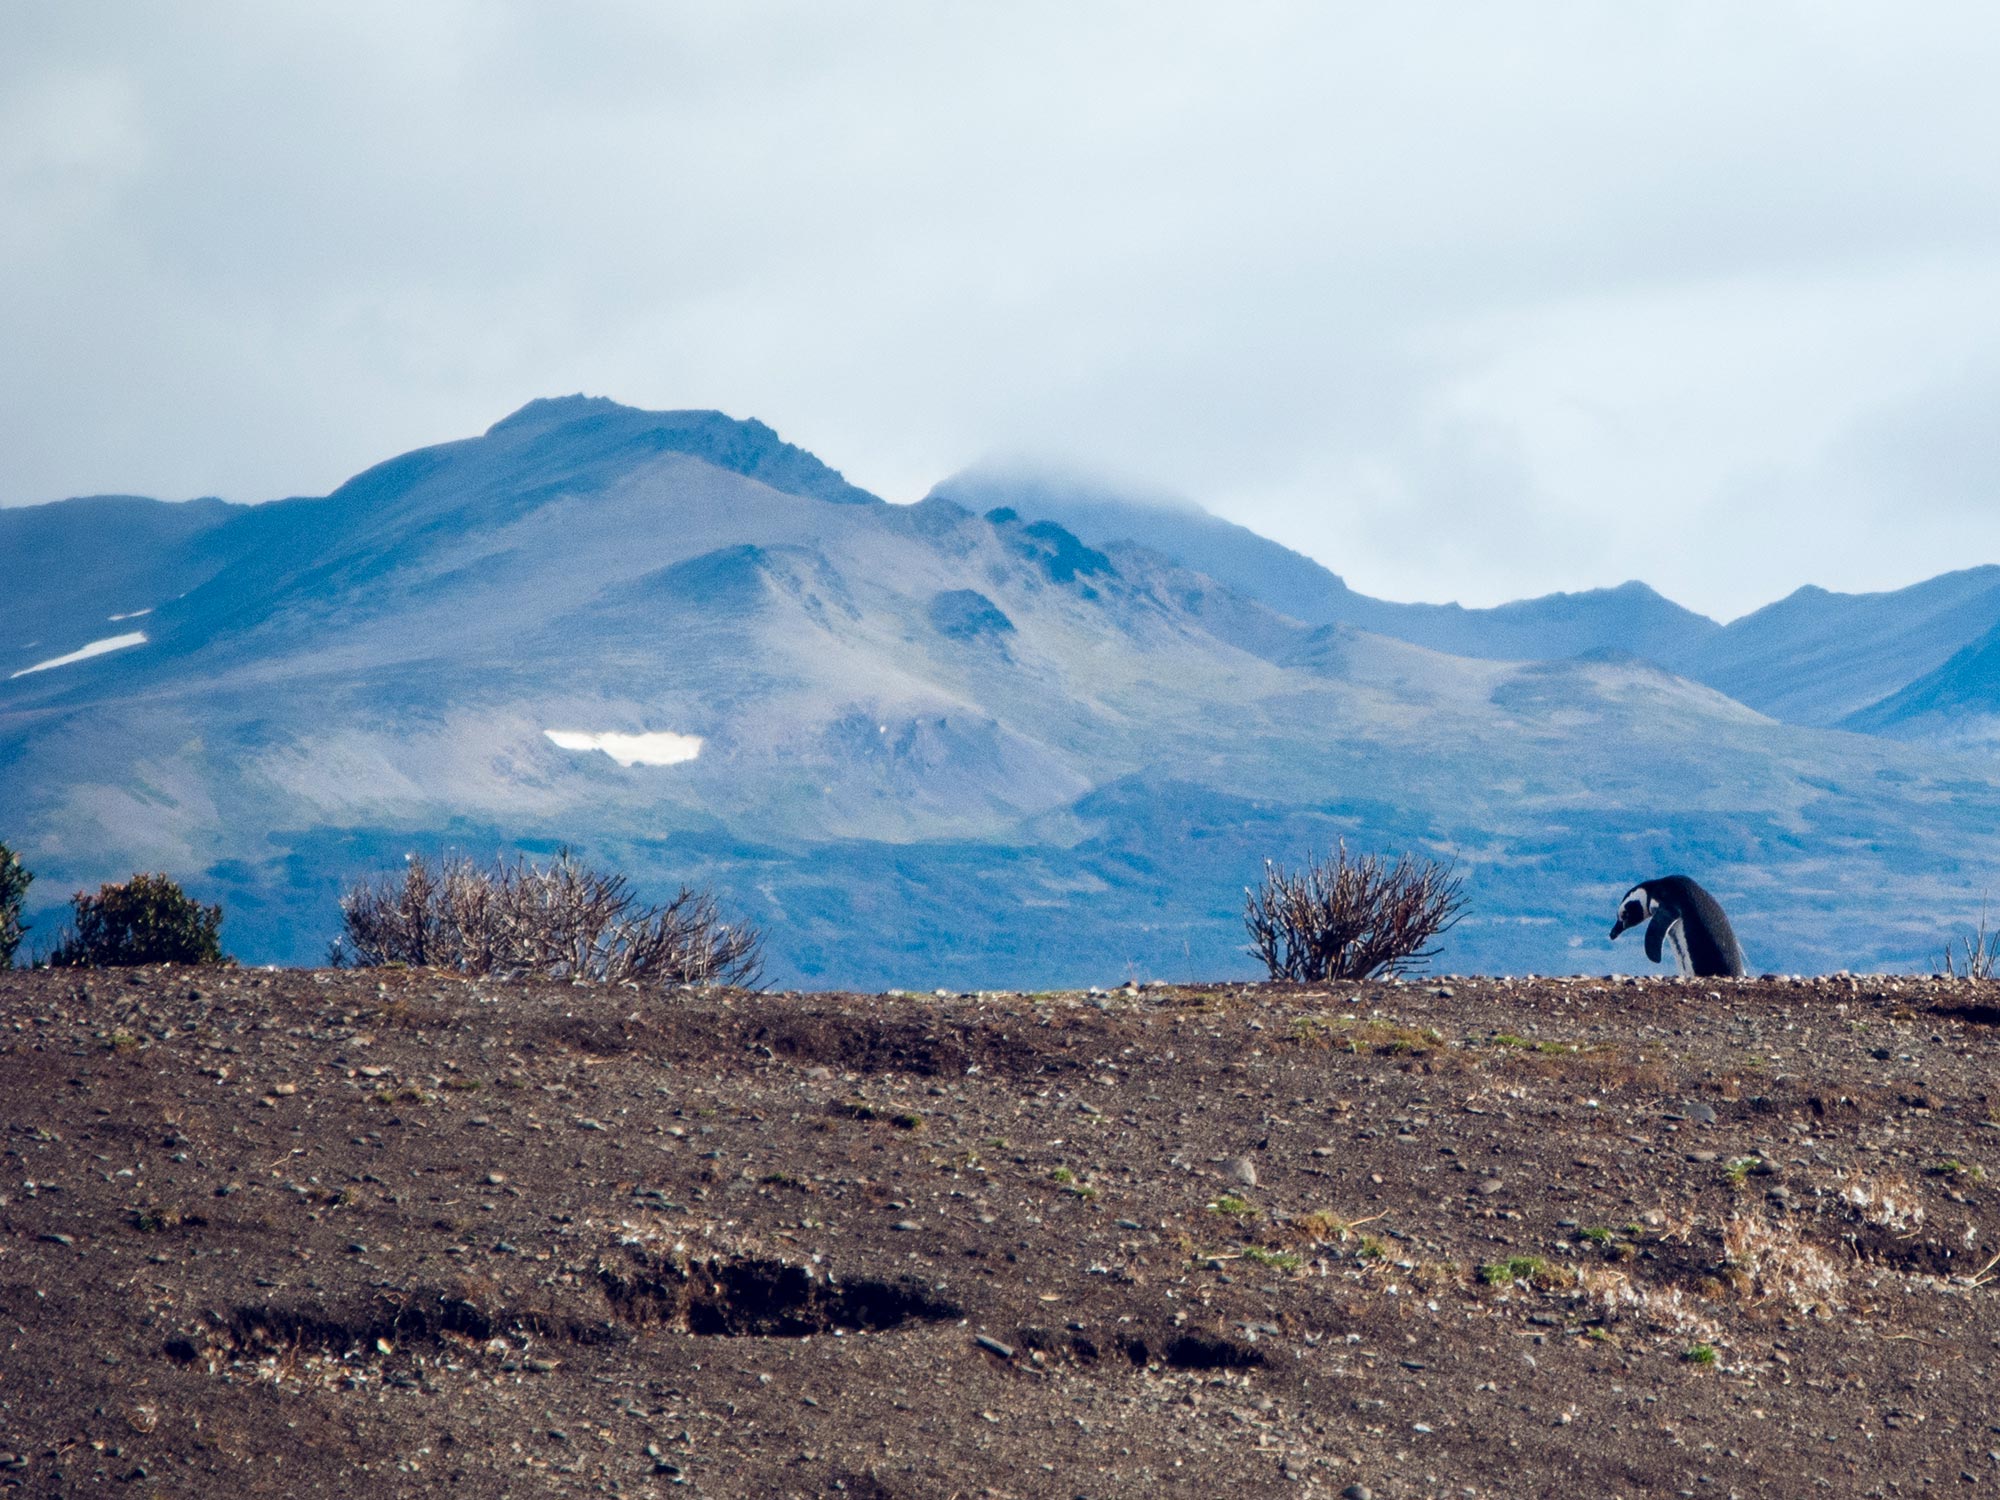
[402, 1233]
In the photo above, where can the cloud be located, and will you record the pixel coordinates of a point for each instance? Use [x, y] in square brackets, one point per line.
[1455, 298]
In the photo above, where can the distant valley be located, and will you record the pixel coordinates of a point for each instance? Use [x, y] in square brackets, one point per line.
[1024, 732]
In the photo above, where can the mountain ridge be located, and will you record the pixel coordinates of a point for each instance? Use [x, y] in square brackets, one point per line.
[935, 744]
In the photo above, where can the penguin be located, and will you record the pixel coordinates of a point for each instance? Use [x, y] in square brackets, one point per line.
[1686, 918]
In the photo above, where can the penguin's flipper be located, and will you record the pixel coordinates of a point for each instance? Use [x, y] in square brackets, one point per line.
[1657, 929]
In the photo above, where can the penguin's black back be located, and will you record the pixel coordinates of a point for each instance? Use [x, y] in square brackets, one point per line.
[1711, 941]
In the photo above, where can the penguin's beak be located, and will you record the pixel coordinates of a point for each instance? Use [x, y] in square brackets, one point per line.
[1621, 924]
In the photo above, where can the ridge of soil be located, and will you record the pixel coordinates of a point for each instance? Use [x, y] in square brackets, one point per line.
[406, 1233]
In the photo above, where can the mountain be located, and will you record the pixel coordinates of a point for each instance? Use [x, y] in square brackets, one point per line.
[1815, 657]
[1959, 702]
[920, 744]
[1631, 618]
[88, 569]
[1822, 658]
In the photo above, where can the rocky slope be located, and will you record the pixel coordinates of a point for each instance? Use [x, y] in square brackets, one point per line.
[399, 1233]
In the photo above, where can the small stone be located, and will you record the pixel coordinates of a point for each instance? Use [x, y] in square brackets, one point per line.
[1357, 1492]
[818, 1071]
[1488, 1186]
[494, 1179]
[1704, 1156]
[994, 1346]
[586, 1123]
[284, 1090]
[53, 1238]
[1700, 1113]
[905, 1226]
[1241, 1169]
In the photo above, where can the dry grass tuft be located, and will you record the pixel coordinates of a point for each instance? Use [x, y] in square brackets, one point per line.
[1887, 1203]
[1771, 1261]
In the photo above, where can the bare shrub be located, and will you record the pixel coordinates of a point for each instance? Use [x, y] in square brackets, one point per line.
[561, 920]
[1979, 954]
[1350, 918]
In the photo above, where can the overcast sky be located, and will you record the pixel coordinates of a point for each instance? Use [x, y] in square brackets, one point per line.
[1467, 301]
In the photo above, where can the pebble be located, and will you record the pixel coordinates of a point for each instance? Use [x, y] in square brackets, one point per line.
[905, 1225]
[994, 1346]
[57, 1239]
[1357, 1492]
[1700, 1113]
[1241, 1169]
[1704, 1156]
[587, 1123]
[284, 1090]
[1488, 1186]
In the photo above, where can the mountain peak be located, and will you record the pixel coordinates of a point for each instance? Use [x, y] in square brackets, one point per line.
[743, 445]
[556, 411]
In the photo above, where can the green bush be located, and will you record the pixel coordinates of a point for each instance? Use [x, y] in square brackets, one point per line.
[14, 883]
[147, 920]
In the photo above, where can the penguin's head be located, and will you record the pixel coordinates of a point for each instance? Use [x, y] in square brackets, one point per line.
[1634, 909]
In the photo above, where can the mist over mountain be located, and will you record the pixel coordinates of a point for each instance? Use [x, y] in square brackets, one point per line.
[1815, 657]
[952, 743]
[1631, 618]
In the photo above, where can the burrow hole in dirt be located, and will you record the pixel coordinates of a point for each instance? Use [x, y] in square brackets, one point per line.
[764, 1298]
[1194, 1351]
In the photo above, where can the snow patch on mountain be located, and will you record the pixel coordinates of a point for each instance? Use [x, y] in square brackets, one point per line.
[656, 748]
[84, 653]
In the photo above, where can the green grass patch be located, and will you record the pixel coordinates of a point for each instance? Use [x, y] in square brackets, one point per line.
[1514, 1268]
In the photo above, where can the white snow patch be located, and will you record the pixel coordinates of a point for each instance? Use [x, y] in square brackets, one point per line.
[95, 648]
[660, 748]
[132, 616]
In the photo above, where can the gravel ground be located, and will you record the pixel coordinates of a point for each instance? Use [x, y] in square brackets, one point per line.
[402, 1233]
